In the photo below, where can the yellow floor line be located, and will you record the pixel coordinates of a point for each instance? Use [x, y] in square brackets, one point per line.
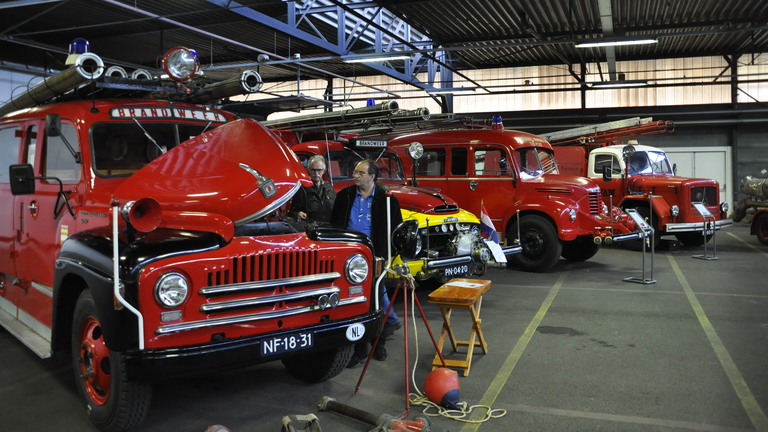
[506, 370]
[748, 244]
[755, 413]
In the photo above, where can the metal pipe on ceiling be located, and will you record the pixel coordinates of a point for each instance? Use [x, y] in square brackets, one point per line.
[238, 43]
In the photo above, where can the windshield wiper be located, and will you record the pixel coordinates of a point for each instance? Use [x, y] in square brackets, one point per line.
[162, 151]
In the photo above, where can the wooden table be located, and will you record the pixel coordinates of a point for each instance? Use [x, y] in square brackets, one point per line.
[460, 294]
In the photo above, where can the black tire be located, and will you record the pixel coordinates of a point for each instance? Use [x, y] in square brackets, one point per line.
[760, 225]
[541, 247]
[581, 249]
[113, 402]
[693, 238]
[319, 367]
[637, 245]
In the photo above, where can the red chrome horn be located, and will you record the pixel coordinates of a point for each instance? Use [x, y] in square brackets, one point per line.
[145, 214]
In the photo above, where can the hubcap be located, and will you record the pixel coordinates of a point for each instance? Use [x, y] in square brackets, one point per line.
[95, 370]
[532, 243]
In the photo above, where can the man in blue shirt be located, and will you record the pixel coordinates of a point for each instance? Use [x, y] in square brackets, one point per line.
[363, 208]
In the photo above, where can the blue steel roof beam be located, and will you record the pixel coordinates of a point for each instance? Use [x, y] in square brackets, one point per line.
[320, 42]
[412, 46]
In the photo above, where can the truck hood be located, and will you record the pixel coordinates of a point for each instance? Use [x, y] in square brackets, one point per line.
[239, 171]
[670, 180]
[423, 200]
[560, 181]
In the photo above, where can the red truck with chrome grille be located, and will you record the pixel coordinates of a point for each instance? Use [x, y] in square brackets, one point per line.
[139, 236]
[514, 176]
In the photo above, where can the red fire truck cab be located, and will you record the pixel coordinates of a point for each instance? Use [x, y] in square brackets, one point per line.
[513, 175]
[137, 235]
[641, 177]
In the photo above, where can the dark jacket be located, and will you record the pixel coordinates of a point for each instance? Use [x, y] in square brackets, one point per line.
[379, 236]
[316, 202]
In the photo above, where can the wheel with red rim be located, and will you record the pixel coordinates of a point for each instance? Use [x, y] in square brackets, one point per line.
[113, 402]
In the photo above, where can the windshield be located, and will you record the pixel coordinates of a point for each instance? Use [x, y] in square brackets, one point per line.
[124, 148]
[535, 161]
[650, 162]
[342, 163]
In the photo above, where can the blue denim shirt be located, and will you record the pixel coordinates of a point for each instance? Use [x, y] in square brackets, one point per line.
[360, 215]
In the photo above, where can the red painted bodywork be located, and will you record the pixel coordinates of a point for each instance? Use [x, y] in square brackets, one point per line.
[505, 193]
[200, 186]
[661, 190]
[410, 198]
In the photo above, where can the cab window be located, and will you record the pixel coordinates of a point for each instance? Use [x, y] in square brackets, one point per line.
[490, 162]
[610, 161]
[10, 141]
[459, 161]
[432, 163]
[58, 160]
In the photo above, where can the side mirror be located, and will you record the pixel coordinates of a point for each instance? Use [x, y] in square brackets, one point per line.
[606, 173]
[674, 169]
[406, 240]
[53, 125]
[22, 179]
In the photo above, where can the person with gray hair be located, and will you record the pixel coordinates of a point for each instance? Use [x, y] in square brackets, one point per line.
[314, 203]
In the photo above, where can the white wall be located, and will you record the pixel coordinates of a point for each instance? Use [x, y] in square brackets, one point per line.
[13, 83]
[705, 162]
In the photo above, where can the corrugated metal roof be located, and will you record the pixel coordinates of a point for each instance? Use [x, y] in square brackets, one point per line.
[479, 33]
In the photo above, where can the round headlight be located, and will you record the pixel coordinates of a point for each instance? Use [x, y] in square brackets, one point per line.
[171, 290]
[674, 210]
[181, 63]
[572, 214]
[415, 150]
[356, 269]
[724, 207]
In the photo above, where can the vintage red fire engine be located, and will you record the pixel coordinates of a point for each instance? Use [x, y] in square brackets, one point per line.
[136, 234]
[449, 240]
[514, 176]
[640, 177]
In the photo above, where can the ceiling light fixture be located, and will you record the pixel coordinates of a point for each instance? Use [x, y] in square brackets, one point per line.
[618, 84]
[375, 58]
[605, 43]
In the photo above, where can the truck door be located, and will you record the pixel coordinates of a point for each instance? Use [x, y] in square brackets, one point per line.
[10, 148]
[44, 222]
[487, 177]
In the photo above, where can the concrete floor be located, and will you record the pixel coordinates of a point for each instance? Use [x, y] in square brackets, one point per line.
[575, 349]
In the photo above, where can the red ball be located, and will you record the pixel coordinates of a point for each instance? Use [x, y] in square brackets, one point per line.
[442, 387]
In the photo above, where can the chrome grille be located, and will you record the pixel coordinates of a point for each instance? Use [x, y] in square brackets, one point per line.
[594, 203]
[269, 266]
[704, 194]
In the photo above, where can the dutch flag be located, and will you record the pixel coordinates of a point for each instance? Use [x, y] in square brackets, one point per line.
[486, 225]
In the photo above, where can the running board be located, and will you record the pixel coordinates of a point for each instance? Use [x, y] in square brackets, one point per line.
[24, 333]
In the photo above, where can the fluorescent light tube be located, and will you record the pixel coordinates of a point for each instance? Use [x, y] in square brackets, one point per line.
[615, 43]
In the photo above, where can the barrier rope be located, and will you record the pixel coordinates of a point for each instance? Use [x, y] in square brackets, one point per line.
[419, 398]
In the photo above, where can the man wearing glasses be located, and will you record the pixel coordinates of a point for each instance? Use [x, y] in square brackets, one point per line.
[314, 203]
[362, 207]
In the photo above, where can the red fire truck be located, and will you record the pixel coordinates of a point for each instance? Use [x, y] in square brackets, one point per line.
[514, 176]
[450, 243]
[137, 235]
[642, 178]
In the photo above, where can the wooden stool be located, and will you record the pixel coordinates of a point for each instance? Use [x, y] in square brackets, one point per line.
[460, 294]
